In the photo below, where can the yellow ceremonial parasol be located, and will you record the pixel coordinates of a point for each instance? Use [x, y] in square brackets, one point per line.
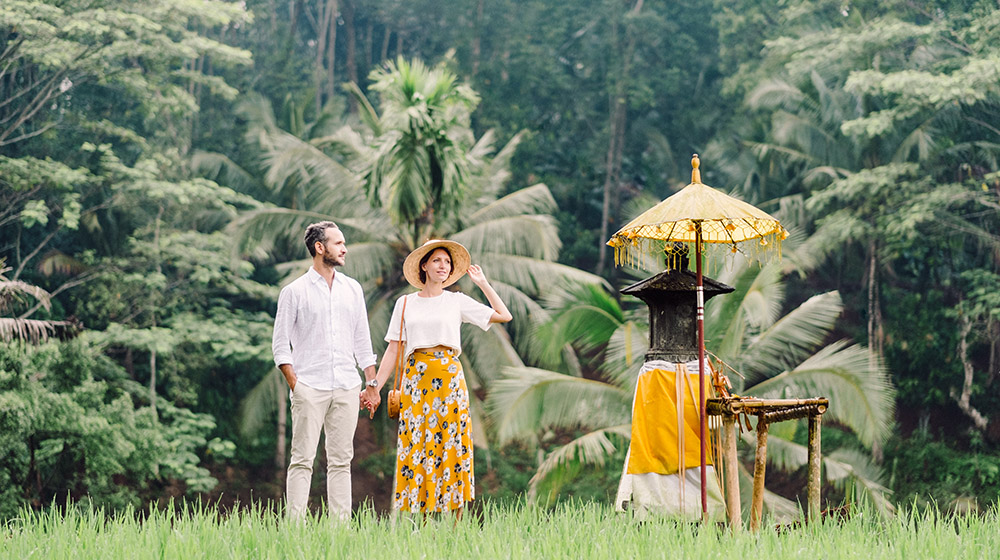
[699, 214]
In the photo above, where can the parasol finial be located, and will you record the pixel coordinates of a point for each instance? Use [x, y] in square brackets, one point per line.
[695, 173]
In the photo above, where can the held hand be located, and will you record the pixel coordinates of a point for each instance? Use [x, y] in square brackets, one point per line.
[477, 275]
[366, 405]
[370, 399]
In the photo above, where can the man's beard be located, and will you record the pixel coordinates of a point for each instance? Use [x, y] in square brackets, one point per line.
[330, 260]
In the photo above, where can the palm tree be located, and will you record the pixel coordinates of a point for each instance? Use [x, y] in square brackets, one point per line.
[422, 160]
[21, 327]
[778, 355]
[365, 176]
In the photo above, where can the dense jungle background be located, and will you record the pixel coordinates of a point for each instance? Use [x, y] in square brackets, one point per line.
[160, 160]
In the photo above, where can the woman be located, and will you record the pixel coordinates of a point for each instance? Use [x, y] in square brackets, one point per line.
[434, 468]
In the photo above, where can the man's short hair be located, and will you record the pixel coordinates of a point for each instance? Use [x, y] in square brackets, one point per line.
[317, 232]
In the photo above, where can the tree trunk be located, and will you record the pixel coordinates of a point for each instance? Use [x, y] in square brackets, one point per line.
[876, 334]
[618, 108]
[152, 312]
[279, 455]
[369, 45]
[994, 336]
[152, 380]
[385, 45]
[295, 12]
[324, 22]
[331, 51]
[350, 41]
[477, 41]
[963, 399]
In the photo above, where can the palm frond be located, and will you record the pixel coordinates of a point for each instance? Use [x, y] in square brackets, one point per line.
[793, 337]
[532, 276]
[534, 236]
[778, 507]
[488, 353]
[838, 229]
[857, 384]
[843, 468]
[856, 471]
[259, 114]
[258, 232]
[764, 149]
[625, 354]
[525, 400]
[921, 140]
[489, 181]
[592, 448]
[587, 318]
[261, 404]
[536, 199]
[347, 144]
[57, 262]
[526, 311]
[325, 184]
[366, 111]
[223, 170]
[30, 330]
[371, 261]
[12, 289]
[775, 94]
[753, 306]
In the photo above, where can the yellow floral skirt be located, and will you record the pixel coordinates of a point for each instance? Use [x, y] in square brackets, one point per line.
[434, 469]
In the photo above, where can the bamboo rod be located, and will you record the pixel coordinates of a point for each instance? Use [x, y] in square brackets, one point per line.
[792, 413]
[702, 413]
[759, 468]
[750, 405]
[814, 466]
[732, 475]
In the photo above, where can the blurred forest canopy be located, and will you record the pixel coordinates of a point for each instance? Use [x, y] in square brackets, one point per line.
[141, 142]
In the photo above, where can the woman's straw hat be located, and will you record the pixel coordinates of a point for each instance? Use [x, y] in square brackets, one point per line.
[460, 261]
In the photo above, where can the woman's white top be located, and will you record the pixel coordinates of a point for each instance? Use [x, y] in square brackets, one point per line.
[437, 320]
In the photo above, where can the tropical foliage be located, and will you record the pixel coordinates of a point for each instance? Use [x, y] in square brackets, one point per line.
[767, 354]
[159, 161]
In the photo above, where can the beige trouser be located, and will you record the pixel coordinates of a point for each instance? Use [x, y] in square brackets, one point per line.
[314, 410]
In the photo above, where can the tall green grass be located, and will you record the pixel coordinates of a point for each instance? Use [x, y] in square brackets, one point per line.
[578, 532]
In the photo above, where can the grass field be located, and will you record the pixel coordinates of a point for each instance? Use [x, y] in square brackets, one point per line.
[580, 532]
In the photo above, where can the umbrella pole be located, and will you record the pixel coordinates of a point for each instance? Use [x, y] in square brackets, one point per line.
[703, 417]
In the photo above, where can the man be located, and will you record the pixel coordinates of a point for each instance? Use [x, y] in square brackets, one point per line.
[320, 334]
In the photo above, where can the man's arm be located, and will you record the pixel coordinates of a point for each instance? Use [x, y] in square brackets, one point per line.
[281, 344]
[289, 373]
[364, 356]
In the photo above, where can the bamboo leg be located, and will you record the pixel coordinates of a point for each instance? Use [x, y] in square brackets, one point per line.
[731, 470]
[759, 467]
[814, 466]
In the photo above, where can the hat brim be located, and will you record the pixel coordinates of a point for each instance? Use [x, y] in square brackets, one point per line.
[460, 261]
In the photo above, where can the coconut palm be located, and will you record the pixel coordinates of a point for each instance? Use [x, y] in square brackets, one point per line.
[778, 356]
[422, 160]
[362, 176]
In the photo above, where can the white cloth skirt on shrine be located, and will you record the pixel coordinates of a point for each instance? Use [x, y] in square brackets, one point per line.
[662, 474]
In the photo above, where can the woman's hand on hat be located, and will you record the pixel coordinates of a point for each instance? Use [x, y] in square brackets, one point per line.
[477, 275]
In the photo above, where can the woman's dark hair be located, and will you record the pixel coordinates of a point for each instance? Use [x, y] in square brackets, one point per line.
[427, 257]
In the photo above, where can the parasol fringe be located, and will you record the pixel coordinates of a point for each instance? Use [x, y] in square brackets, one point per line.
[636, 252]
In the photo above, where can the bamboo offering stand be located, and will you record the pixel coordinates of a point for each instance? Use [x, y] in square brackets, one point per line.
[767, 411]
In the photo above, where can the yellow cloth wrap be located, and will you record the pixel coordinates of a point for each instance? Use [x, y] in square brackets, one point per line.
[655, 447]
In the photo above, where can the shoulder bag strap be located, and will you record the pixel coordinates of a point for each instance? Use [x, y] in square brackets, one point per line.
[399, 357]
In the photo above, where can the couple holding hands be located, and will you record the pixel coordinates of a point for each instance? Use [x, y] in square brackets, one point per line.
[321, 335]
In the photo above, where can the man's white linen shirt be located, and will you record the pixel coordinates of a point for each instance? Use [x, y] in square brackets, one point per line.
[322, 331]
